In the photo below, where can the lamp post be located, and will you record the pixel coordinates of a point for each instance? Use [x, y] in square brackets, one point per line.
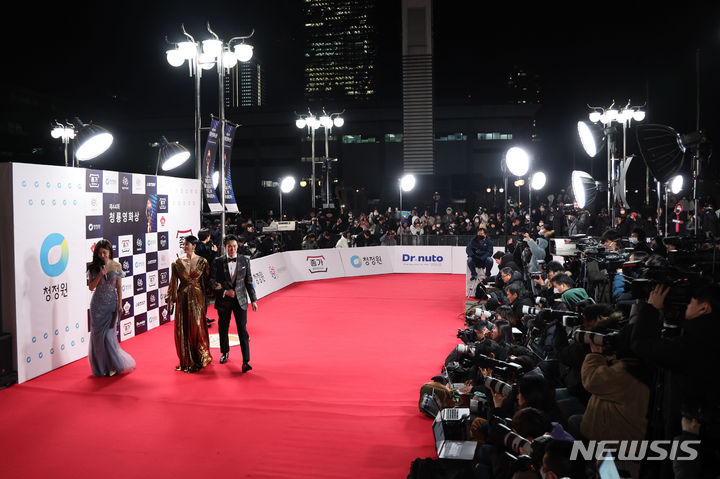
[206, 55]
[313, 122]
[406, 183]
[593, 143]
[517, 163]
[286, 185]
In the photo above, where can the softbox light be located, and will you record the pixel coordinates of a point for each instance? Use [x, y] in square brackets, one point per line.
[592, 138]
[91, 140]
[662, 149]
[584, 188]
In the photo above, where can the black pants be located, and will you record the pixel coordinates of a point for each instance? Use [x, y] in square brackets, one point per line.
[241, 323]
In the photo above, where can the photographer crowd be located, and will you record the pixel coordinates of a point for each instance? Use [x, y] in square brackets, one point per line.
[616, 343]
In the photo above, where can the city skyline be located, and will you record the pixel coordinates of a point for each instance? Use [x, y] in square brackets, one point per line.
[637, 55]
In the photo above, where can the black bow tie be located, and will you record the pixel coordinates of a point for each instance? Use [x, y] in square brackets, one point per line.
[232, 260]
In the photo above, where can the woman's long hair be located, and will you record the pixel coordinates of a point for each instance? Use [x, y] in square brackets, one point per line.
[97, 263]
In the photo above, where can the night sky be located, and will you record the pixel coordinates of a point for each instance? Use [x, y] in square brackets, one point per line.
[107, 64]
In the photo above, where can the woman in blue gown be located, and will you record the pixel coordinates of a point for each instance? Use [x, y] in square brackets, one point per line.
[104, 276]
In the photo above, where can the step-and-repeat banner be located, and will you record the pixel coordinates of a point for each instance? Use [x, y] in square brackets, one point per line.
[59, 214]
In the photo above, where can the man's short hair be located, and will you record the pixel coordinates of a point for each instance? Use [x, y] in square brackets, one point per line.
[203, 234]
[498, 255]
[554, 266]
[229, 238]
[482, 228]
[562, 278]
[513, 288]
[506, 270]
[708, 293]
[610, 235]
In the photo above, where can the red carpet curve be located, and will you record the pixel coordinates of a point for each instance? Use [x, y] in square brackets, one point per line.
[338, 366]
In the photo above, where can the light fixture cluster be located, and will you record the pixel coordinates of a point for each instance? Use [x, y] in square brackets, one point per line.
[207, 54]
[612, 114]
[325, 120]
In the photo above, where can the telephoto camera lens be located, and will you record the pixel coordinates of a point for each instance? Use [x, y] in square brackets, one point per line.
[588, 337]
[531, 310]
[465, 349]
[498, 387]
[514, 442]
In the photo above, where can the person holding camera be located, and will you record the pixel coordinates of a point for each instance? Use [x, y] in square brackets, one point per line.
[479, 252]
[570, 295]
[681, 358]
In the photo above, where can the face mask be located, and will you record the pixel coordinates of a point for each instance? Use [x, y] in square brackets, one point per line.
[252, 250]
[527, 217]
[633, 240]
[556, 291]
[541, 225]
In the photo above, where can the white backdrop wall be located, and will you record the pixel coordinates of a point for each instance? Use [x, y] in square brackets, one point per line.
[58, 215]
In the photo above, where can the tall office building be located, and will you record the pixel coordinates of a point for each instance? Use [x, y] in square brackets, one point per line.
[417, 81]
[340, 51]
[523, 86]
[245, 85]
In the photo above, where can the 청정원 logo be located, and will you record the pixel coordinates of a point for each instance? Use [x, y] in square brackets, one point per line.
[57, 268]
[356, 261]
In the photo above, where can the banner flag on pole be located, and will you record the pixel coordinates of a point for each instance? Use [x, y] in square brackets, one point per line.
[209, 160]
[230, 203]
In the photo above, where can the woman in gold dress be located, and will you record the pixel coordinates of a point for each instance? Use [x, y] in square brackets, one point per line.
[188, 285]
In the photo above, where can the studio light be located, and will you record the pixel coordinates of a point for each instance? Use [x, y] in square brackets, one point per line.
[338, 121]
[584, 188]
[662, 149]
[538, 181]
[170, 155]
[407, 183]
[300, 123]
[676, 184]
[591, 137]
[517, 161]
[303, 183]
[287, 184]
[92, 140]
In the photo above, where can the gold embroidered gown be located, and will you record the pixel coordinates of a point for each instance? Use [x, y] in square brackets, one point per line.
[188, 283]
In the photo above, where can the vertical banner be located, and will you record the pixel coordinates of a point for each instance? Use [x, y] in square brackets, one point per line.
[209, 159]
[230, 203]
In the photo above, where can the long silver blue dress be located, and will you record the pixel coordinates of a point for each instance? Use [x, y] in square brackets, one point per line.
[106, 357]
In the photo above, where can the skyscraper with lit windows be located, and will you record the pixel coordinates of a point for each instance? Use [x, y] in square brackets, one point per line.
[245, 85]
[340, 53]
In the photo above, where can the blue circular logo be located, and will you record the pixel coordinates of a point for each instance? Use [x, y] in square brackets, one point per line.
[77, 325]
[57, 268]
[53, 202]
[24, 183]
[82, 340]
[57, 331]
[69, 186]
[47, 184]
[45, 335]
[42, 202]
[59, 185]
[72, 343]
[28, 359]
[52, 350]
[64, 202]
[67, 329]
[34, 339]
[40, 355]
[62, 347]
[30, 202]
[356, 261]
[36, 184]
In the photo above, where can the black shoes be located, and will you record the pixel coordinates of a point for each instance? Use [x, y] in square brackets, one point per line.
[246, 367]
[224, 358]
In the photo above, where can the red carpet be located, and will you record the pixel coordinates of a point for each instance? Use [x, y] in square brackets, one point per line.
[338, 365]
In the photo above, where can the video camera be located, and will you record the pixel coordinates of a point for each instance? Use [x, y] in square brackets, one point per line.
[501, 369]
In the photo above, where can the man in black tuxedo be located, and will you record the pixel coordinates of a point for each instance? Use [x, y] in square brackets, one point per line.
[232, 281]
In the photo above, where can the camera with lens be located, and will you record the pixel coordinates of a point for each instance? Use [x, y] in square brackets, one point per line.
[466, 349]
[544, 317]
[467, 336]
[497, 386]
[523, 454]
[599, 339]
[505, 371]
